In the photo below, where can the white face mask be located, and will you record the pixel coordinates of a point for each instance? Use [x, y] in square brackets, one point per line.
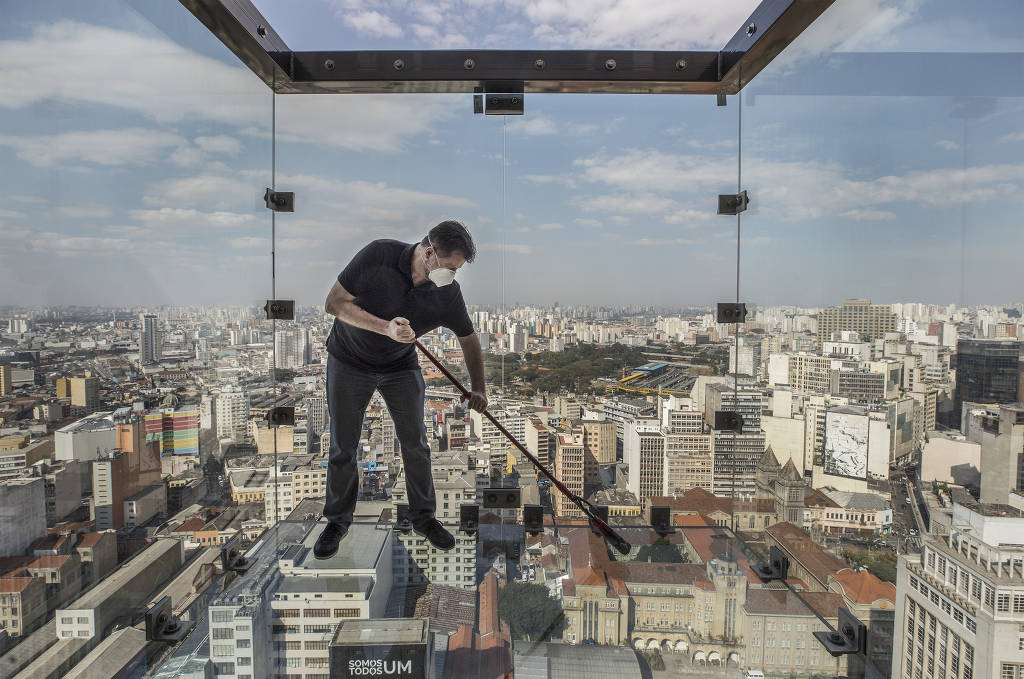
[441, 276]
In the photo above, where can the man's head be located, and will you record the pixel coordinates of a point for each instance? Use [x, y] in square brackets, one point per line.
[448, 245]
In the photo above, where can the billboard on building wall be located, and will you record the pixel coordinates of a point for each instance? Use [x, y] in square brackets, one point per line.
[846, 445]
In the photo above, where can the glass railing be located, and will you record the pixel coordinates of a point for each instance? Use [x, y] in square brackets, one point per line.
[165, 438]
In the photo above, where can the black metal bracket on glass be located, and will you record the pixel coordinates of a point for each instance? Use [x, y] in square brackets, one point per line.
[280, 201]
[502, 498]
[280, 309]
[770, 28]
[161, 625]
[533, 519]
[731, 312]
[733, 203]
[402, 523]
[231, 559]
[281, 416]
[661, 521]
[849, 637]
[777, 567]
[728, 420]
[469, 518]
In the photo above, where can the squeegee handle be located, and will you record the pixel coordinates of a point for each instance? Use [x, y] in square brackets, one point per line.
[602, 526]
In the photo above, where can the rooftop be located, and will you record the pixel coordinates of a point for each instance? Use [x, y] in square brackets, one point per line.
[381, 631]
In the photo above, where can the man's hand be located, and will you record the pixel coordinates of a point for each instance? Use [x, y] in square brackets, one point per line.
[477, 400]
[400, 330]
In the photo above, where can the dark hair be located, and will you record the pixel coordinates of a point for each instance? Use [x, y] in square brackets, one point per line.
[451, 236]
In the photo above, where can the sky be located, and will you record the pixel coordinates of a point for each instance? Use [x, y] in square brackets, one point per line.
[881, 151]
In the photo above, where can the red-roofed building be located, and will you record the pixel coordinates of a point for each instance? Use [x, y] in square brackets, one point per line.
[22, 604]
[98, 554]
[62, 576]
[486, 653]
[873, 602]
[807, 560]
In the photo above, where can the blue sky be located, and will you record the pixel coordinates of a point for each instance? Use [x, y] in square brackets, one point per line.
[135, 149]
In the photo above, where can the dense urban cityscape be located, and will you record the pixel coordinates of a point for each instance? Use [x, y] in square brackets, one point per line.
[881, 449]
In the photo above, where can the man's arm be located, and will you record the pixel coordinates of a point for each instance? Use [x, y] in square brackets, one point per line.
[341, 304]
[475, 364]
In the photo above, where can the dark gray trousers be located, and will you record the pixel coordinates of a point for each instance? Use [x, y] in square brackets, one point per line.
[349, 390]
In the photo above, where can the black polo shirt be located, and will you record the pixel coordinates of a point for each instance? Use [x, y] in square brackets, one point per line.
[380, 277]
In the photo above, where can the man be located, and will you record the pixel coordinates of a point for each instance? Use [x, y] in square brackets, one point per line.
[389, 294]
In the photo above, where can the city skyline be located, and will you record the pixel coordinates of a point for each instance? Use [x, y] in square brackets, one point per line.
[146, 188]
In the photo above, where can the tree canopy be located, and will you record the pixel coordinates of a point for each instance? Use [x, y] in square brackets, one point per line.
[528, 610]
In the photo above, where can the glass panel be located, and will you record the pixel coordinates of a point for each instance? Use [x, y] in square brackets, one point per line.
[879, 153]
[698, 25]
[135, 150]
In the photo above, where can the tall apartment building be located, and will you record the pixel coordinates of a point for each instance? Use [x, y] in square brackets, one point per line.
[174, 427]
[149, 339]
[570, 470]
[749, 362]
[232, 413]
[989, 371]
[124, 482]
[689, 453]
[857, 315]
[316, 408]
[541, 441]
[960, 602]
[644, 454]
[624, 410]
[599, 440]
[22, 514]
[736, 454]
[5, 380]
[85, 394]
[455, 484]
[292, 347]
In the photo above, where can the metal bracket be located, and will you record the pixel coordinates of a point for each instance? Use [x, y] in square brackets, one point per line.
[402, 523]
[281, 416]
[661, 521]
[533, 519]
[231, 559]
[504, 104]
[728, 420]
[161, 625]
[280, 309]
[850, 636]
[469, 518]
[502, 498]
[731, 312]
[777, 567]
[280, 201]
[732, 203]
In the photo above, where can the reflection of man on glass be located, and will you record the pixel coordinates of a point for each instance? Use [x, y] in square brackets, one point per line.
[389, 294]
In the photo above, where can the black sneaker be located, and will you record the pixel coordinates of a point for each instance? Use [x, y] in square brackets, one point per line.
[433, 531]
[327, 544]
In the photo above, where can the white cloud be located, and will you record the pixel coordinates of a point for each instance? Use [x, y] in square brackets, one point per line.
[950, 145]
[205, 191]
[129, 146]
[553, 226]
[437, 39]
[533, 126]
[373, 23]
[868, 215]
[1015, 136]
[61, 244]
[174, 221]
[588, 222]
[220, 143]
[85, 211]
[514, 248]
[563, 179]
[666, 241]
[168, 83]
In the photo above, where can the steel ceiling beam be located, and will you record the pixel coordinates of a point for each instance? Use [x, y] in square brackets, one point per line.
[772, 26]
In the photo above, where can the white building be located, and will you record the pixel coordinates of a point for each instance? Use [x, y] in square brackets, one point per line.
[960, 603]
[232, 413]
[89, 438]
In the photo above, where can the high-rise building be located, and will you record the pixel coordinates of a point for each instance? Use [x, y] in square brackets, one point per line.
[5, 380]
[292, 348]
[85, 395]
[644, 453]
[232, 413]
[960, 602]
[124, 480]
[857, 315]
[736, 454]
[689, 453]
[989, 371]
[174, 427]
[598, 447]
[316, 408]
[569, 469]
[150, 350]
[540, 440]
[22, 514]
